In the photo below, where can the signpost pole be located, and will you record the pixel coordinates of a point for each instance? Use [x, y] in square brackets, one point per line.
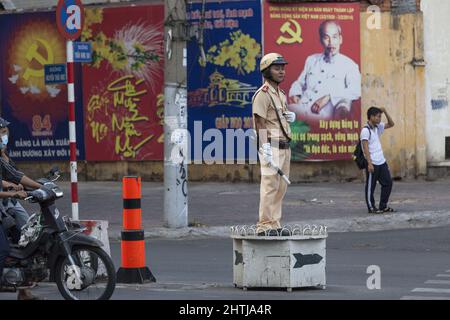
[72, 129]
[69, 19]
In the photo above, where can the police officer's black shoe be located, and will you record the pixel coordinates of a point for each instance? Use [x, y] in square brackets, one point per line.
[284, 232]
[269, 233]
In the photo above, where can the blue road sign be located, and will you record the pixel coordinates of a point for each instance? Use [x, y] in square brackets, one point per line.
[82, 52]
[55, 73]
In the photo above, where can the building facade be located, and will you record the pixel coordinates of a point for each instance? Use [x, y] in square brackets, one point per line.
[395, 63]
[437, 55]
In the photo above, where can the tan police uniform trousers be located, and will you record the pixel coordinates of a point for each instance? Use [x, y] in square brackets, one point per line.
[273, 189]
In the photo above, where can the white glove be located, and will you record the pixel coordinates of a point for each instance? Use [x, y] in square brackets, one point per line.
[290, 116]
[266, 151]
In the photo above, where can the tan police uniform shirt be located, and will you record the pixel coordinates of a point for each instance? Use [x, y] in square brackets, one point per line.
[266, 101]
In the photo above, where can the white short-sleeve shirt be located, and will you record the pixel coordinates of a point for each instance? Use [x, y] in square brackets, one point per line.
[375, 150]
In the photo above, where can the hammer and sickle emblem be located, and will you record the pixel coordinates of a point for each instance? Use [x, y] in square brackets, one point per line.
[296, 35]
[34, 54]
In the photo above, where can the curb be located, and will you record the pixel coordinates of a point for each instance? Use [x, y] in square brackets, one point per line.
[385, 222]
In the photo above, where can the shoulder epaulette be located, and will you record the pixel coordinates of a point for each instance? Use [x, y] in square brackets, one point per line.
[264, 88]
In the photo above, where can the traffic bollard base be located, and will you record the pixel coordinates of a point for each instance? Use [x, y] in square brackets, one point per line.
[135, 275]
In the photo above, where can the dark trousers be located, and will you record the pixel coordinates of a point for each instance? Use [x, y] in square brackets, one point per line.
[383, 176]
[4, 249]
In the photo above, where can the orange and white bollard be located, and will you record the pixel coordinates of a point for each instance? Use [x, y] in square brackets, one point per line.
[133, 268]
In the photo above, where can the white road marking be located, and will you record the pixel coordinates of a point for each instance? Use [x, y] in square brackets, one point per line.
[437, 282]
[431, 290]
[423, 298]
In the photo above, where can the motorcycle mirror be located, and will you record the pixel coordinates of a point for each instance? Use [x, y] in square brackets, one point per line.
[54, 171]
[53, 174]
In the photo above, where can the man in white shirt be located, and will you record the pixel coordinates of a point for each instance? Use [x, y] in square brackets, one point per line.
[377, 167]
[329, 82]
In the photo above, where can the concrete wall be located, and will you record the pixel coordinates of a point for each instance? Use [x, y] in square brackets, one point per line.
[437, 55]
[393, 77]
[390, 78]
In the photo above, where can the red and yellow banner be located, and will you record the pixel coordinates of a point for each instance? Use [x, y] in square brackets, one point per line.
[123, 86]
[321, 42]
[37, 111]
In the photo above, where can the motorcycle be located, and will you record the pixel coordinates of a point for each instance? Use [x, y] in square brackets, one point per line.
[55, 248]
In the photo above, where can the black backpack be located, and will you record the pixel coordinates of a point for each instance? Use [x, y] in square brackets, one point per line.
[358, 154]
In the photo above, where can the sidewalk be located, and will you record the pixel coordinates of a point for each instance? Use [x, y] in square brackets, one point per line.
[214, 207]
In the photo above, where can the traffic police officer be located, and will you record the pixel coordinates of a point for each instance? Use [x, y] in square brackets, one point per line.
[271, 121]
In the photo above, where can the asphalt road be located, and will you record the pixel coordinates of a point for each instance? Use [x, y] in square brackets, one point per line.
[226, 204]
[414, 264]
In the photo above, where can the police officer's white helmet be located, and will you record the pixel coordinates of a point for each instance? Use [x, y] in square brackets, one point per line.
[271, 59]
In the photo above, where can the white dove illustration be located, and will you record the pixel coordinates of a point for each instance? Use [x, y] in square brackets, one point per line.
[34, 89]
[24, 90]
[14, 78]
[53, 91]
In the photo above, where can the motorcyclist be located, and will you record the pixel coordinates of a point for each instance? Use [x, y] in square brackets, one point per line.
[11, 205]
[8, 173]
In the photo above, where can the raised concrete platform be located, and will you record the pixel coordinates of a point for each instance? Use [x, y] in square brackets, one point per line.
[288, 262]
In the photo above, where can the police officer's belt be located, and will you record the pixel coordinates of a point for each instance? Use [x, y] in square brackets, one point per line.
[280, 144]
